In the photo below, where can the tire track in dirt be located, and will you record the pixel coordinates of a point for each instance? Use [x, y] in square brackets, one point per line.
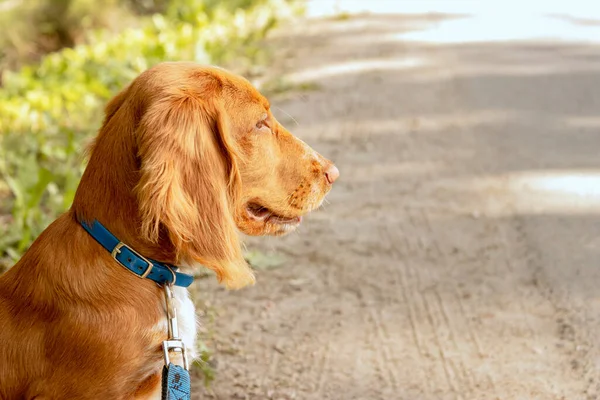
[436, 315]
[459, 318]
[388, 367]
[416, 304]
[570, 331]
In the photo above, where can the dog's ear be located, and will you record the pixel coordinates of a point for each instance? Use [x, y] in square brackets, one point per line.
[115, 103]
[189, 183]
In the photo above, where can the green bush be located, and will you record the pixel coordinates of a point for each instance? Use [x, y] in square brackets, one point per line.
[50, 110]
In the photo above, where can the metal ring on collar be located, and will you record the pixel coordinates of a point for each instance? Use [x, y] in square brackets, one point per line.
[173, 274]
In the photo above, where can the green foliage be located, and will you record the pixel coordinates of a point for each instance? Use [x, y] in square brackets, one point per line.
[264, 261]
[50, 110]
[203, 364]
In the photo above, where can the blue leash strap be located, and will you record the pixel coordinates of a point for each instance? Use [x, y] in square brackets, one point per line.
[176, 384]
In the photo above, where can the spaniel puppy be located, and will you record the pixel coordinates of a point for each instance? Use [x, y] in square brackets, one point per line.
[187, 156]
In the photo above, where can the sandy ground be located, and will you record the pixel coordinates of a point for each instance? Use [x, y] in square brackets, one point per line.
[458, 257]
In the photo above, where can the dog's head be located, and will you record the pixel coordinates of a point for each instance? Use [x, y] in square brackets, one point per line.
[213, 158]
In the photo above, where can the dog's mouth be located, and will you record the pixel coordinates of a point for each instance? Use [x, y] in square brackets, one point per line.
[263, 214]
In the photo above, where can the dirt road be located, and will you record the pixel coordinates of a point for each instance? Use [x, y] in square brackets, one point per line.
[458, 257]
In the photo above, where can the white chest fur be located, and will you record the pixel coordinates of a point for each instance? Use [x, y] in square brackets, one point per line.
[186, 319]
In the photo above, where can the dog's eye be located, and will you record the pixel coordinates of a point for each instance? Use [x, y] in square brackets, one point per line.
[262, 125]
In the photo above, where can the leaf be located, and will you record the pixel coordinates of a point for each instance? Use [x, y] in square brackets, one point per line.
[16, 189]
[36, 193]
[264, 261]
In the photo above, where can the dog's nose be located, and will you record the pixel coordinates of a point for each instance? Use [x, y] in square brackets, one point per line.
[332, 173]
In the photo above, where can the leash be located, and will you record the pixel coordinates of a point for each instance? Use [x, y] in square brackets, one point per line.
[176, 384]
[175, 378]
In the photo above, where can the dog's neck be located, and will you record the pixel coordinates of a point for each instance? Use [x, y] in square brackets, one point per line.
[107, 192]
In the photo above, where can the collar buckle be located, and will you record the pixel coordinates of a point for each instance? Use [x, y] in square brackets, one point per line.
[133, 261]
[117, 250]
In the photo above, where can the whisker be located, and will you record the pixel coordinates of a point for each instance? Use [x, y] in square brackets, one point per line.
[288, 114]
[288, 197]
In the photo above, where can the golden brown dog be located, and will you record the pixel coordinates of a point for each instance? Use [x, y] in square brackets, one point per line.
[186, 156]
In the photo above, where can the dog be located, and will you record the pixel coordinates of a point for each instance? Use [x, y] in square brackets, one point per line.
[187, 156]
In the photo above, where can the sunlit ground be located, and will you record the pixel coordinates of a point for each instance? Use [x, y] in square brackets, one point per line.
[536, 192]
[580, 186]
[355, 67]
[506, 20]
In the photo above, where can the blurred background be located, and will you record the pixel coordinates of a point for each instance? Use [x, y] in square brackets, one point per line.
[457, 256]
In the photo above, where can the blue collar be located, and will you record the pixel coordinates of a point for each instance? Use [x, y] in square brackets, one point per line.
[141, 266]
